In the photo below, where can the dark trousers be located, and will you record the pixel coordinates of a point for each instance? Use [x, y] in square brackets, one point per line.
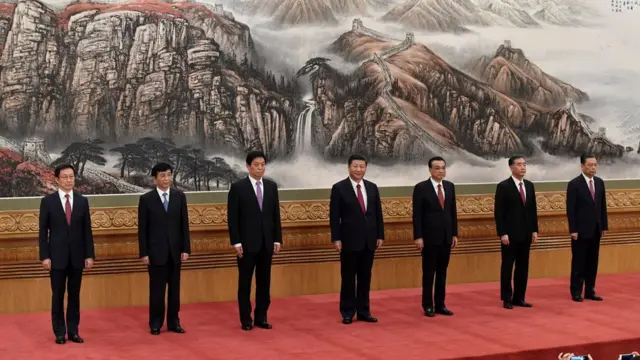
[435, 261]
[355, 271]
[518, 253]
[71, 280]
[584, 264]
[161, 278]
[260, 262]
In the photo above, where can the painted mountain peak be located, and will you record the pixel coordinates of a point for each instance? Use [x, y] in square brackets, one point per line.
[141, 81]
[406, 102]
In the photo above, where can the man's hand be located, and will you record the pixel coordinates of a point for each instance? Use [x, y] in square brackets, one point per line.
[604, 232]
[338, 245]
[419, 243]
[145, 260]
[574, 236]
[46, 264]
[454, 242]
[534, 237]
[379, 243]
[504, 239]
[88, 263]
[184, 256]
[276, 248]
[238, 250]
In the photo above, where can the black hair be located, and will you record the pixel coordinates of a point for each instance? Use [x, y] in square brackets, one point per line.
[436, 158]
[160, 167]
[355, 157]
[61, 167]
[255, 155]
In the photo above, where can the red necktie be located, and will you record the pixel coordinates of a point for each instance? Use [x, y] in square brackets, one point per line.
[361, 199]
[592, 190]
[524, 199]
[440, 196]
[67, 209]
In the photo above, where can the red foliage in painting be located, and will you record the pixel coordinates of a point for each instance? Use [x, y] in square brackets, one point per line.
[151, 7]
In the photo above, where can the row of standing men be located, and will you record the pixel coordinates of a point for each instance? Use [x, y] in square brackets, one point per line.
[357, 230]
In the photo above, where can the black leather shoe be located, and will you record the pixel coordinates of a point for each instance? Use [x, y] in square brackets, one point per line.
[155, 331]
[522, 304]
[429, 312]
[593, 297]
[178, 329]
[247, 327]
[347, 321]
[444, 311]
[507, 305]
[577, 298]
[76, 339]
[60, 340]
[263, 325]
[367, 318]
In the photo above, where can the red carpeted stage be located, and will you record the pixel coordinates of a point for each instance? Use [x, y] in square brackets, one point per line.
[309, 327]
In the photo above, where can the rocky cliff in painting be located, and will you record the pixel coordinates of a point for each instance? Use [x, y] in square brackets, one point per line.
[118, 72]
[510, 72]
[405, 101]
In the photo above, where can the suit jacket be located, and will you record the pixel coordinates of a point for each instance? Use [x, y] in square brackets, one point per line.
[163, 233]
[586, 215]
[512, 217]
[61, 242]
[248, 225]
[356, 230]
[431, 222]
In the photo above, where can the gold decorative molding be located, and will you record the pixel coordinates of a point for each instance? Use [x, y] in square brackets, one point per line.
[299, 214]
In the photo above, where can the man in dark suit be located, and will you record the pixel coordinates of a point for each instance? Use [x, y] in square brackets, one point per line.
[255, 231]
[435, 230]
[164, 243]
[587, 216]
[357, 230]
[516, 217]
[66, 248]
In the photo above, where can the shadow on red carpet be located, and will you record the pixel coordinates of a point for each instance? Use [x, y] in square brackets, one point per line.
[310, 327]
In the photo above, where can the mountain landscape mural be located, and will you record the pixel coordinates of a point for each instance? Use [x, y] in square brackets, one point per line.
[115, 86]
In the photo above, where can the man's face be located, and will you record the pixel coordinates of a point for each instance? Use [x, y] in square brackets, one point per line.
[590, 167]
[357, 169]
[519, 168]
[66, 180]
[256, 168]
[163, 179]
[438, 170]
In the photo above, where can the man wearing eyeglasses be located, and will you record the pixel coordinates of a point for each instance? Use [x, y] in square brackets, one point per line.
[66, 249]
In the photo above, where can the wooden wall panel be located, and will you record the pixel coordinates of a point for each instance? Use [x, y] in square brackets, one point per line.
[308, 264]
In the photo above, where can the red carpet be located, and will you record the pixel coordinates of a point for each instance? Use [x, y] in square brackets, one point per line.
[309, 327]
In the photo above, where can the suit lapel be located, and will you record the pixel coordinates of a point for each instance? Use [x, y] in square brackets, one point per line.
[516, 190]
[433, 195]
[59, 205]
[369, 188]
[173, 202]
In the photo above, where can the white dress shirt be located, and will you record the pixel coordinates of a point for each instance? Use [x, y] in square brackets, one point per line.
[524, 187]
[255, 190]
[435, 187]
[63, 198]
[362, 189]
